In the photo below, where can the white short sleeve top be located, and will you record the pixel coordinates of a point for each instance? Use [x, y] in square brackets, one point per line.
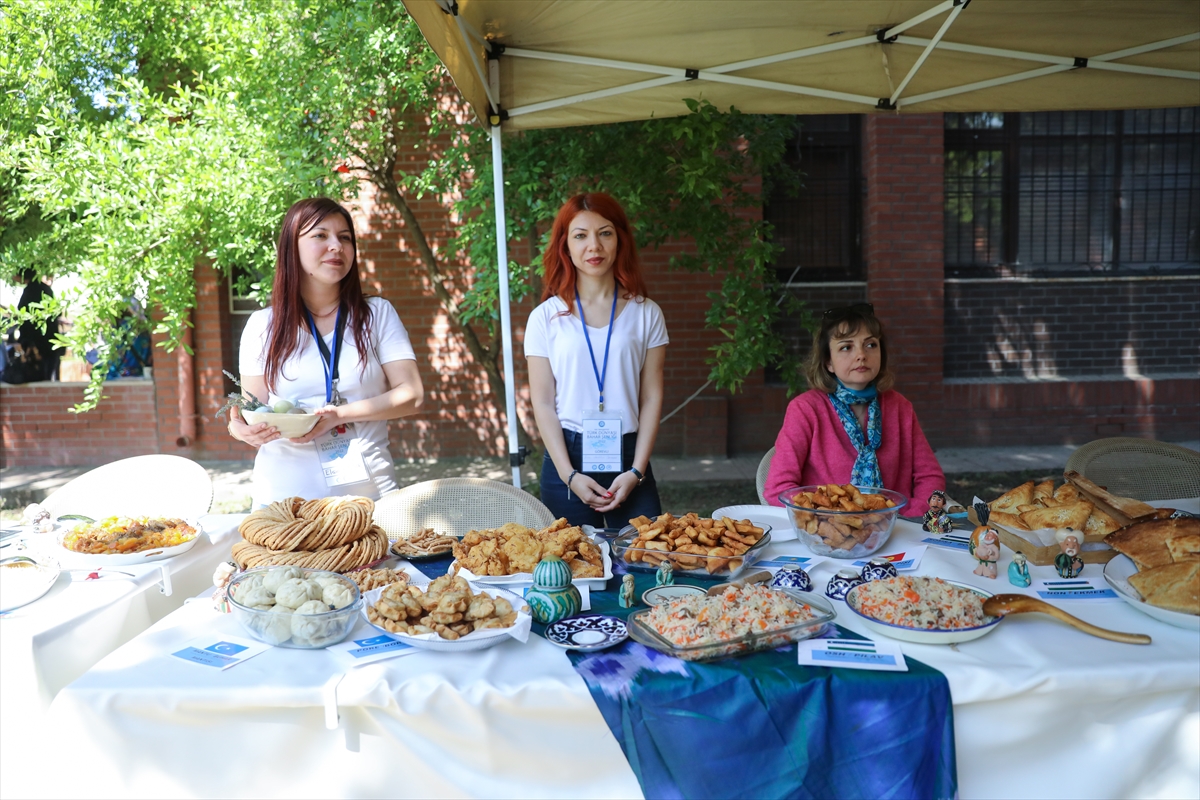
[559, 337]
[285, 469]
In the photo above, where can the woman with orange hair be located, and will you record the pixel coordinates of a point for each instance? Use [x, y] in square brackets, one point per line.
[596, 348]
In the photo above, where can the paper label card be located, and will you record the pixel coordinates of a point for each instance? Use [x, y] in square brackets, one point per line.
[852, 654]
[776, 563]
[903, 561]
[950, 541]
[601, 442]
[1080, 588]
[371, 648]
[221, 653]
[340, 453]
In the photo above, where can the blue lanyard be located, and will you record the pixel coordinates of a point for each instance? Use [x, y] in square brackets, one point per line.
[329, 362]
[600, 375]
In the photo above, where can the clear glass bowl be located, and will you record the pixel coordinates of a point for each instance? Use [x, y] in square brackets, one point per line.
[685, 563]
[821, 529]
[643, 633]
[299, 631]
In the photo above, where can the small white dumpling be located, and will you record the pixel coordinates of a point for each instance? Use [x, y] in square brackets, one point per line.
[313, 630]
[337, 595]
[254, 595]
[315, 588]
[295, 592]
[276, 577]
[274, 627]
[328, 580]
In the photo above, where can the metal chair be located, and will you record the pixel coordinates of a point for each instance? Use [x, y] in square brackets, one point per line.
[1140, 468]
[142, 486]
[455, 506]
[760, 479]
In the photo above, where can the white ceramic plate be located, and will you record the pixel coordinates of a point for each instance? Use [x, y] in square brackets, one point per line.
[477, 640]
[20, 586]
[663, 594]
[290, 426]
[522, 579]
[924, 635]
[593, 632]
[1117, 572]
[763, 516]
[71, 559]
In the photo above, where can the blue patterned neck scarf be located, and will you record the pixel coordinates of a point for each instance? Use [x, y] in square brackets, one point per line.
[866, 465]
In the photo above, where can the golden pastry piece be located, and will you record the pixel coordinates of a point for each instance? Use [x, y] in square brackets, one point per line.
[1146, 542]
[1175, 587]
[1074, 516]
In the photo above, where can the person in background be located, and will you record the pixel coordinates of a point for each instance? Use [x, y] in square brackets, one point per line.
[325, 347]
[851, 426]
[38, 339]
[596, 347]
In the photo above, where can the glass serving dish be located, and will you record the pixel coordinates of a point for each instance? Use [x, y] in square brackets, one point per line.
[285, 627]
[692, 564]
[640, 631]
[825, 531]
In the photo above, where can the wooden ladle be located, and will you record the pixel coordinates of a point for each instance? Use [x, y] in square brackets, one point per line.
[1002, 605]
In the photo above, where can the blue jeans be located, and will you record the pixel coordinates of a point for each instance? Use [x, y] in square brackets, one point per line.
[643, 500]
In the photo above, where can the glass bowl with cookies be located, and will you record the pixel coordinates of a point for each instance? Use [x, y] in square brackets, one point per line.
[693, 545]
[843, 521]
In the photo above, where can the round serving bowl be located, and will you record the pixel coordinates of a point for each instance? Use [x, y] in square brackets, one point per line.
[824, 530]
[924, 635]
[284, 627]
[290, 426]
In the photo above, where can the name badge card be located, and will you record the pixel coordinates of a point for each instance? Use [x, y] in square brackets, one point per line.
[340, 452]
[1074, 589]
[949, 540]
[904, 561]
[221, 653]
[371, 649]
[852, 654]
[601, 442]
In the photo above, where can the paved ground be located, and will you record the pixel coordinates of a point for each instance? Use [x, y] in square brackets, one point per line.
[20, 486]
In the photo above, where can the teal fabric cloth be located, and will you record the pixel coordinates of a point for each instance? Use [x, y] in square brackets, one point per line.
[762, 726]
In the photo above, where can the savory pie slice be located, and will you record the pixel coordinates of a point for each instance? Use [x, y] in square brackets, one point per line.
[1174, 586]
[1100, 523]
[1043, 490]
[1008, 520]
[1020, 496]
[1067, 493]
[1185, 547]
[1146, 542]
[1074, 516]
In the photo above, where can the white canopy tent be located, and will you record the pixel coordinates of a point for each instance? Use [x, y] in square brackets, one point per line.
[582, 62]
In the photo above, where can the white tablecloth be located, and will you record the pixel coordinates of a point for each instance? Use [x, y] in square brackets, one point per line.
[49, 643]
[1041, 710]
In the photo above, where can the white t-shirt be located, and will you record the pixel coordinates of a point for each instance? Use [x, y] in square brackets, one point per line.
[559, 337]
[285, 469]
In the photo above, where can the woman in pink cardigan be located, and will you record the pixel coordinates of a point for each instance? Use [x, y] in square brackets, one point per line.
[851, 427]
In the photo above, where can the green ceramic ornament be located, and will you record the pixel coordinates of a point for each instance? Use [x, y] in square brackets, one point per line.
[553, 596]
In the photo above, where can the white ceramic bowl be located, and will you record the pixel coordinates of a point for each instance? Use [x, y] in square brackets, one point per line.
[290, 426]
[924, 635]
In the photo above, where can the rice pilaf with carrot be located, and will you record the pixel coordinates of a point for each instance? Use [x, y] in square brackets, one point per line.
[736, 612]
[925, 603]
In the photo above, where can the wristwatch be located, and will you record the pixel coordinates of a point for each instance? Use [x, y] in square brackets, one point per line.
[637, 473]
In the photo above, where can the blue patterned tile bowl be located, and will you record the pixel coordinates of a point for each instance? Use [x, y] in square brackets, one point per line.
[793, 578]
[841, 584]
[878, 569]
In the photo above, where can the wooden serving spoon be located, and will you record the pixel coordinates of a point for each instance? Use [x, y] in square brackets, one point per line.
[762, 576]
[1002, 605]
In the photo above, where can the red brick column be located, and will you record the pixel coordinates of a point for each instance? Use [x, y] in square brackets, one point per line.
[904, 251]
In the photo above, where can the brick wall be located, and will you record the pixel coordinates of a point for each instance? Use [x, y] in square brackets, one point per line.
[1068, 328]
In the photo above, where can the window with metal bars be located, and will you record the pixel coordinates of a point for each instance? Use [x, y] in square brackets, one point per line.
[1070, 192]
[820, 226]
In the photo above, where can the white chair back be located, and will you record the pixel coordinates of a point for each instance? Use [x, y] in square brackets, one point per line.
[760, 480]
[142, 486]
[455, 506]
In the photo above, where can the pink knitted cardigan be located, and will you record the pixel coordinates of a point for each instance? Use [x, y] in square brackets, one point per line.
[813, 448]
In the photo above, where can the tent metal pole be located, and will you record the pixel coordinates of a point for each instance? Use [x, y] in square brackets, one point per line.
[510, 378]
[794, 54]
[1156, 71]
[597, 95]
[925, 53]
[919, 18]
[717, 77]
[588, 61]
[1146, 48]
[970, 87]
[492, 92]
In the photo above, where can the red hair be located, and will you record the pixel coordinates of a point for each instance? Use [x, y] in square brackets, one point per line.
[560, 270]
[288, 316]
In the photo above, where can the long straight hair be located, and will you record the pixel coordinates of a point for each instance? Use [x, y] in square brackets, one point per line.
[560, 270]
[288, 318]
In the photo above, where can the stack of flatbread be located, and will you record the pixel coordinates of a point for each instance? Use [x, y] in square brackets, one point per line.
[1167, 555]
[1031, 507]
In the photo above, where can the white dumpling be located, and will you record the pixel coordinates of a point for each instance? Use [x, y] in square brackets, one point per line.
[315, 588]
[274, 627]
[295, 592]
[255, 595]
[313, 630]
[328, 580]
[276, 577]
[337, 595]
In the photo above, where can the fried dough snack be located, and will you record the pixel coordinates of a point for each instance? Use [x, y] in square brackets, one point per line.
[332, 533]
[1029, 507]
[426, 543]
[512, 549]
[690, 542]
[368, 579]
[370, 548]
[447, 607]
[842, 532]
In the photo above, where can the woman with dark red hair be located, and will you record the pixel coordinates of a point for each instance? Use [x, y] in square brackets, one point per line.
[298, 351]
[596, 348]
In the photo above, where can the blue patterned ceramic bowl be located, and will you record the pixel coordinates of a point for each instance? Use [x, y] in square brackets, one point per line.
[793, 578]
[841, 584]
[879, 569]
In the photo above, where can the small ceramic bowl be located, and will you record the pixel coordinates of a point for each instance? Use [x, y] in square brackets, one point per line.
[290, 426]
[662, 594]
[841, 584]
[878, 569]
[793, 578]
[595, 632]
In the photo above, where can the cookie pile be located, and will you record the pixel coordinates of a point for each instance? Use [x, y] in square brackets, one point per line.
[333, 533]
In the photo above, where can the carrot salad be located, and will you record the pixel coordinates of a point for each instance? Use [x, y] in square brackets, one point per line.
[736, 612]
[915, 602]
